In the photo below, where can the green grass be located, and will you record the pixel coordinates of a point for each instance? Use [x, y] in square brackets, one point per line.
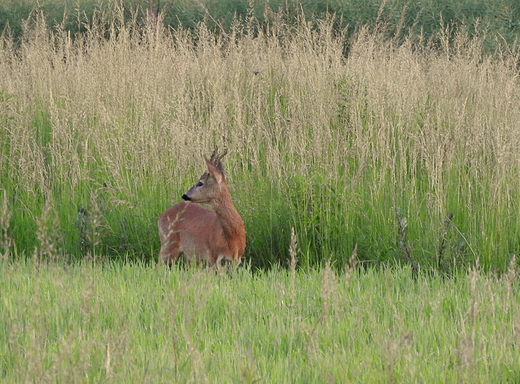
[102, 133]
[331, 156]
[120, 323]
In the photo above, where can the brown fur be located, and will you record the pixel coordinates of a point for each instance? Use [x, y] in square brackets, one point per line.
[200, 234]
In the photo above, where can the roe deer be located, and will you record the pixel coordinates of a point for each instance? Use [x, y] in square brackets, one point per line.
[200, 234]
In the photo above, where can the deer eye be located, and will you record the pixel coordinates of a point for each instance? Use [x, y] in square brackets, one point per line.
[200, 184]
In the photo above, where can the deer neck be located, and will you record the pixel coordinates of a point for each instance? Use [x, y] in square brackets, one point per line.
[229, 218]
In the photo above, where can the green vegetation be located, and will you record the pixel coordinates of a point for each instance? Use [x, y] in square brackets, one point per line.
[501, 19]
[354, 153]
[121, 323]
[101, 133]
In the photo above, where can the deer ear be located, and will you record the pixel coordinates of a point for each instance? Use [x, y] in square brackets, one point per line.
[214, 171]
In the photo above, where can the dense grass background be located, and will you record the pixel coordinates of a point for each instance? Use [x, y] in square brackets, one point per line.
[121, 323]
[102, 132]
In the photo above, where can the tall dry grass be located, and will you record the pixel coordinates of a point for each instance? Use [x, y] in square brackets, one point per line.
[109, 128]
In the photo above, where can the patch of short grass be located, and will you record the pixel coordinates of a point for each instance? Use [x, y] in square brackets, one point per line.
[123, 322]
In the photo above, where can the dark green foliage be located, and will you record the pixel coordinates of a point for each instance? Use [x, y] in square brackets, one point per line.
[401, 17]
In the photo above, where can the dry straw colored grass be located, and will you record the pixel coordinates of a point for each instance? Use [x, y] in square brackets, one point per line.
[114, 123]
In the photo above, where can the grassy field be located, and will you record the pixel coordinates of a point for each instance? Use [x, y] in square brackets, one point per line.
[122, 323]
[405, 150]
[396, 151]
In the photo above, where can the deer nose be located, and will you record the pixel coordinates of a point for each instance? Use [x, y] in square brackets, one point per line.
[185, 197]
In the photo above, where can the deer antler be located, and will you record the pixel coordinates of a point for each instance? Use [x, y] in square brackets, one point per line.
[216, 157]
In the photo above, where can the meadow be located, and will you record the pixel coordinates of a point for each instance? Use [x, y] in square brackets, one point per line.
[122, 323]
[407, 150]
[378, 179]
